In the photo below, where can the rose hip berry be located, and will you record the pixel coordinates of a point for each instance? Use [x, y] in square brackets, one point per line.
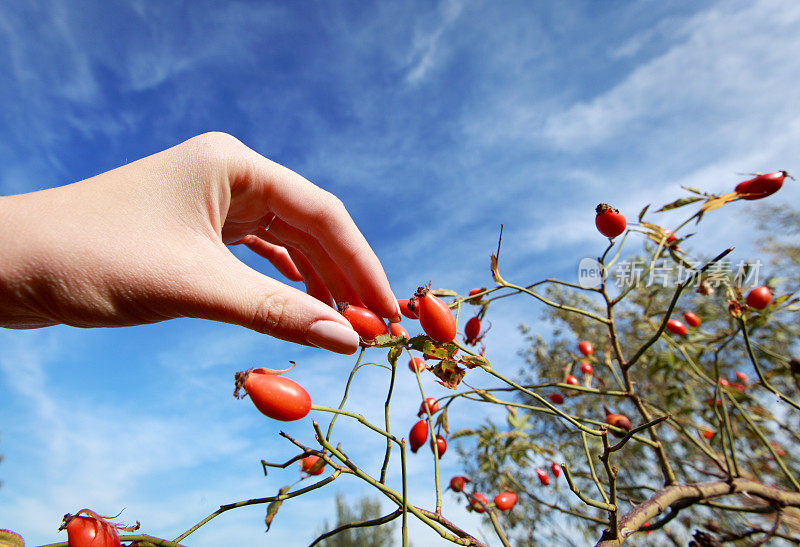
[691, 319]
[505, 500]
[556, 398]
[609, 221]
[618, 420]
[543, 478]
[478, 502]
[571, 380]
[276, 396]
[416, 364]
[432, 405]
[676, 327]
[396, 329]
[441, 445]
[759, 298]
[435, 316]
[761, 186]
[585, 348]
[457, 483]
[418, 435]
[556, 469]
[411, 313]
[313, 465]
[472, 331]
[364, 321]
[586, 368]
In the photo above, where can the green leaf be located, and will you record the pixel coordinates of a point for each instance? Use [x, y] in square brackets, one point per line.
[679, 203]
[441, 421]
[643, 211]
[472, 361]
[272, 508]
[449, 373]
[394, 354]
[463, 433]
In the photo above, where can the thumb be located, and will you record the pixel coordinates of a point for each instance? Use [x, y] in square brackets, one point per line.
[234, 293]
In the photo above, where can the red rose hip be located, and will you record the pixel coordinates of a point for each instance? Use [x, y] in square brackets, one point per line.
[676, 327]
[435, 316]
[759, 298]
[609, 221]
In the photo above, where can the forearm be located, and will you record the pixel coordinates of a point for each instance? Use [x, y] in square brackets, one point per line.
[20, 272]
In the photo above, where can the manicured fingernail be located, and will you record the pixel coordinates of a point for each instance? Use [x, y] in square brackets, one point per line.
[397, 317]
[332, 336]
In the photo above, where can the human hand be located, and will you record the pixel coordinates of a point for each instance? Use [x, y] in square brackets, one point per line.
[147, 241]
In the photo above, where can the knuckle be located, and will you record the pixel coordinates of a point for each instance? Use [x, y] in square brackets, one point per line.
[329, 211]
[270, 313]
[213, 149]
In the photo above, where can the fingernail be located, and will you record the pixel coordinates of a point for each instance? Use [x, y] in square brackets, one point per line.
[332, 336]
[397, 317]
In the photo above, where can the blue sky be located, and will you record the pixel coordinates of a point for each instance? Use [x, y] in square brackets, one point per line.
[434, 121]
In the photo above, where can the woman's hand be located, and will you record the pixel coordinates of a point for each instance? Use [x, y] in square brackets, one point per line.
[147, 242]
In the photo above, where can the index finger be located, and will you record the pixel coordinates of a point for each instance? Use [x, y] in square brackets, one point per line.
[323, 216]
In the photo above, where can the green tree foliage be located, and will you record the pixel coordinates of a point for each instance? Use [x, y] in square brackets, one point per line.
[365, 509]
[677, 376]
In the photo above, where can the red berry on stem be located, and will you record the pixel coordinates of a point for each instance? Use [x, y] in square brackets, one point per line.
[457, 483]
[478, 501]
[723, 382]
[609, 221]
[91, 532]
[741, 376]
[556, 469]
[761, 186]
[585, 348]
[364, 321]
[676, 327]
[313, 465]
[473, 292]
[708, 434]
[396, 329]
[441, 445]
[418, 435]
[405, 310]
[571, 380]
[472, 330]
[543, 478]
[505, 500]
[274, 395]
[556, 398]
[416, 364]
[431, 403]
[759, 298]
[618, 420]
[586, 368]
[691, 319]
[435, 316]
